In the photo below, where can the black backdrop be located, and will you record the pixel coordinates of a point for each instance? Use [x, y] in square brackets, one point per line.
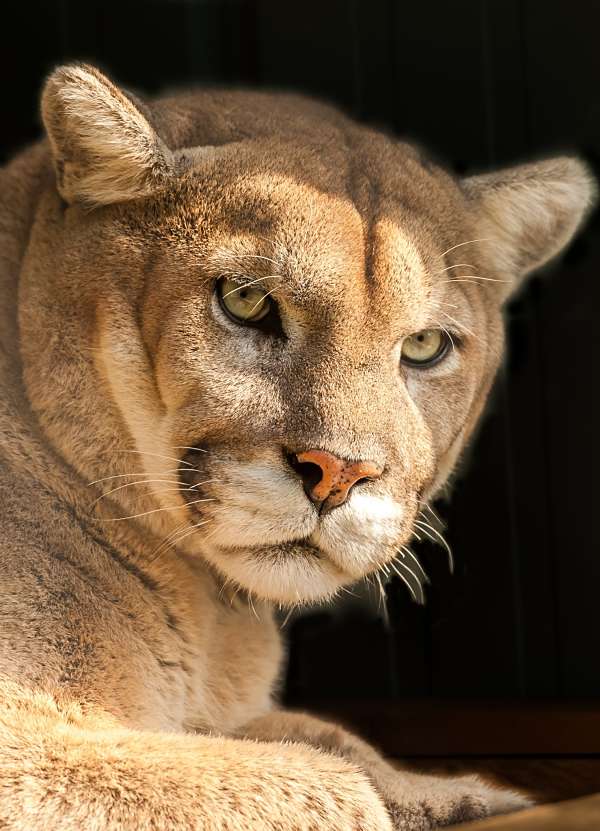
[480, 83]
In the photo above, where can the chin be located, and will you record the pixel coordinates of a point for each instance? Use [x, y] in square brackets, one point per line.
[289, 574]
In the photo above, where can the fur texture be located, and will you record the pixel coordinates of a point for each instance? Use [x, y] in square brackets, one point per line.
[138, 651]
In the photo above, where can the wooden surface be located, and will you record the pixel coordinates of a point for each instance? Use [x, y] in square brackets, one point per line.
[574, 815]
[543, 779]
[554, 783]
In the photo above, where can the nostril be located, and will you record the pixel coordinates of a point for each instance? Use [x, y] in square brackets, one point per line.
[328, 479]
[310, 473]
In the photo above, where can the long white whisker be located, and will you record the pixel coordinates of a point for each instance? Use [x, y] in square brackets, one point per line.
[251, 604]
[251, 283]
[157, 455]
[441, 540]
[123, 475]
[182, 527]
[288, 616]
[448, 267]
[156, 510]
[411, 572]
[460, 325]
[233, 256]
[407, 552]
[181, 536]
[448, 335]
[257, 304]
[140, 482]
[430, 509]
[405, 581]
[475, 278]
[383, 601]
[460, 244]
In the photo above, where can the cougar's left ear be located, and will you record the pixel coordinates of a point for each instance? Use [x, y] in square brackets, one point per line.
[104, 148]
[530, 212]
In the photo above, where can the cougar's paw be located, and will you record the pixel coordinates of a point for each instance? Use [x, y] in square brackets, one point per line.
[421, 803]
[316, 791]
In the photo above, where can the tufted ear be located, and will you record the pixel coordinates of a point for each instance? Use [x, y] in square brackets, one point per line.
[530, 212]
[104, 148]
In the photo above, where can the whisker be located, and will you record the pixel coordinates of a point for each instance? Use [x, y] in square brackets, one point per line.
[460, 244]
[123, 475]
[431, 511]
[383, 601]
[183, 526]
[406, 583]
[412, 573]
[448, 335]
[155, 511]
[141, 482]
[407, 552]
[473, 278]
[233, 256]
[180, 536]
[448, 267]
[251, 283]
[460, 280]
[251, 604]
[438, 537]
[258, 302]
[157, 455]
[460, 325]
[346, 590]
[288, 616]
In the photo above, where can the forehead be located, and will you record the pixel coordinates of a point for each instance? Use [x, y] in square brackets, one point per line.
[315, 239]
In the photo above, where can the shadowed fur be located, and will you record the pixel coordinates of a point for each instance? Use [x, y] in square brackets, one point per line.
[151, 515]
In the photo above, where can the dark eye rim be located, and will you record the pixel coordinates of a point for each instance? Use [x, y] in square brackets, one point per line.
[269, 324]
[445, 345]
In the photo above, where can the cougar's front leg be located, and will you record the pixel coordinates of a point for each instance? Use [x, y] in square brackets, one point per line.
[416, 802]
[61, 770]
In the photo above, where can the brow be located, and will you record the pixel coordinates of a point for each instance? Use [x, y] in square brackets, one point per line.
[243, 266]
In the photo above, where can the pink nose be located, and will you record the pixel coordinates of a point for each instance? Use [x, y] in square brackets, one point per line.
[329, 479]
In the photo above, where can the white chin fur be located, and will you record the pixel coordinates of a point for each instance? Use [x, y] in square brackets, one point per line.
[293, 577]
[357, 536]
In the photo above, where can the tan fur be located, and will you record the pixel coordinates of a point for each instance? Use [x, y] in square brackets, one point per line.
[138, 652]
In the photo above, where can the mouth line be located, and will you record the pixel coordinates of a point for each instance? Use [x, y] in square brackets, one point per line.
[301, 542]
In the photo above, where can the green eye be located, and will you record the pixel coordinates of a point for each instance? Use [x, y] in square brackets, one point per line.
[425, 348]
[243, 302]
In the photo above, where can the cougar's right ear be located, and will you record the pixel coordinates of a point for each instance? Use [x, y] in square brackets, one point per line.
[529, 213]
[104, 148]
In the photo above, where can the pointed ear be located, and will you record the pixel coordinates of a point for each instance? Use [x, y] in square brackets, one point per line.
[104, 148]
[529, 213]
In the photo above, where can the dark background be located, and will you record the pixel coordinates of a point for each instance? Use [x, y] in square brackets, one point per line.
[480, 84]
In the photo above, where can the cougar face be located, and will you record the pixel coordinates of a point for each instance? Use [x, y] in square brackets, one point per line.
[296, 329]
